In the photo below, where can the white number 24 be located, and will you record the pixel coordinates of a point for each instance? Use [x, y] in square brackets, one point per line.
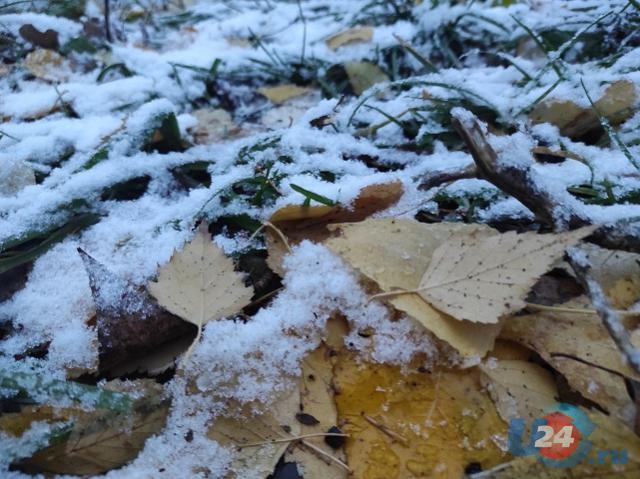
[562, 437]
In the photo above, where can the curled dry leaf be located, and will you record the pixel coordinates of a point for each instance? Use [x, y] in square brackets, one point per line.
[352, 35]
[199, 283]
[483, 279]
[395, 253]
[299, 222]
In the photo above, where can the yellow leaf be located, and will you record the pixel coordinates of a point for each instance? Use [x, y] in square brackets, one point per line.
[300, 222]
[483, 279]
[281, 93]
[352, 35]
[598, 385]
[411, 424]
[394, 253]
[616, 104]
[199, 283]
[363, 75]
[520, 389]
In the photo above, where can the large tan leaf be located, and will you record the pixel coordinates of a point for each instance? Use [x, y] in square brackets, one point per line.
[599, 385]
[410, 424]
[520, 388]
[352, 35]
[394, 253]
[199, 283]
[483, 279]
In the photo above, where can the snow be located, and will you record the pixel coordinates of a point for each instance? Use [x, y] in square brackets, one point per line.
[254, 360]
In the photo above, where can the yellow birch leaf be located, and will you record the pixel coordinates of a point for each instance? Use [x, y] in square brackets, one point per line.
[394, 253]
[483, 279]
[199, 283]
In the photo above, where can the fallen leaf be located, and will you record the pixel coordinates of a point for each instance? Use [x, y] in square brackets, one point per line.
[352, 35]
[281, 93]
[520, 388]
[363, 75]
[395, 253]
[47, 39]
[483, 279]
[526, 390]
[199, 283]
[411, 424]
[317, 400]
[46, 65]
[259, 430]
[213, 126]
[580, 336]
[616, 104]
[14, 176]
[598, 385]
[98, 442]
[299, 222]
[129, 323]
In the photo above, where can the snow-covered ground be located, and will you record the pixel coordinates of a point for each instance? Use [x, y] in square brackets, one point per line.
[79, 132]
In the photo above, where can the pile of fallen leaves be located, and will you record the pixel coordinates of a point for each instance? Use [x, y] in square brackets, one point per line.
[515, 332]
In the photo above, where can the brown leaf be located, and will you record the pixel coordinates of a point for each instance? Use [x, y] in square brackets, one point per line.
[47, 39]
[130, 324]
[616, 104]
[99, 442]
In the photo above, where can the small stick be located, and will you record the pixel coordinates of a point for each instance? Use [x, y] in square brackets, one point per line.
[326, 454]
[292, 438]
[107, 26]
[385, 429]
[611, 319]
[566, 309]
